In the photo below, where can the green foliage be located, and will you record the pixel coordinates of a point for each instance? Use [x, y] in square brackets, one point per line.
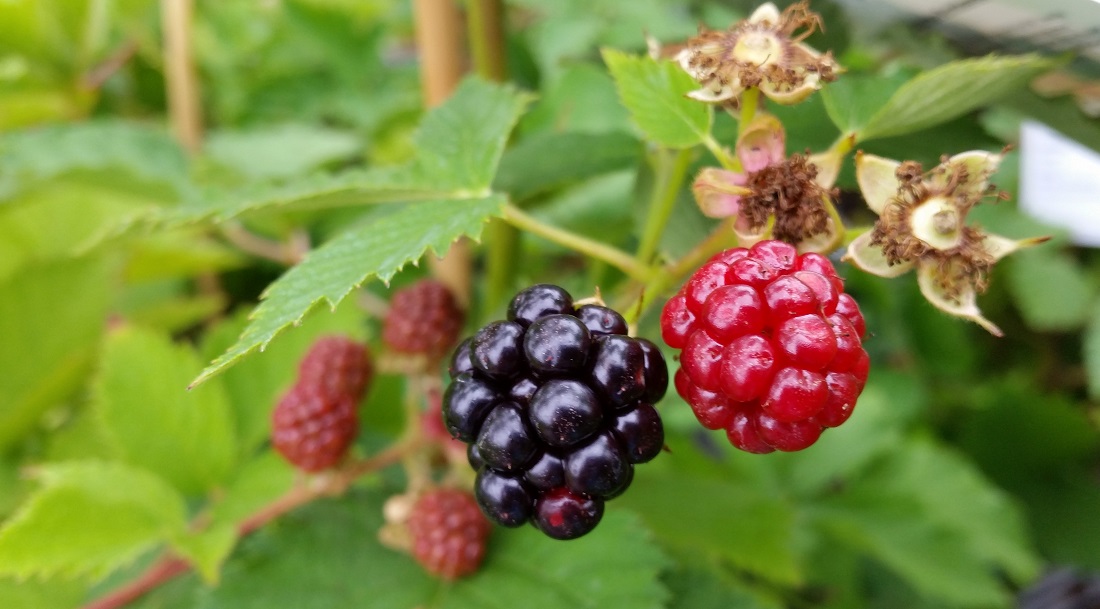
[49, 337]
[616, 565]
[88, 518]
[126, 263]
[40, 154]
[184, 436]
[1051, 290]
[654, 92]
[373, 249]
[458, 147]
[938, 95]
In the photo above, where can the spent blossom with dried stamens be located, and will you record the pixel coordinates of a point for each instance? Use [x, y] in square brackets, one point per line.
[922, 224]
[764, 51]
[776, 196]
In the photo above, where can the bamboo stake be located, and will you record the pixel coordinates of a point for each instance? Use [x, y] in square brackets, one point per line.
[181, 80]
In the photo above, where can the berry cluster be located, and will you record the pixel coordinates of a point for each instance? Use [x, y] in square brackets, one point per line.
[448, 533]
[556, 404]
[423, 319]
[772, 346]
[315, 421]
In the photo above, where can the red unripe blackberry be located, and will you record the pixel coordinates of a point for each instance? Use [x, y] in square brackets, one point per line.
[557, 405]
[424, 318]
[771, 346]
[449, 533]
[338, 366]
[312, 428]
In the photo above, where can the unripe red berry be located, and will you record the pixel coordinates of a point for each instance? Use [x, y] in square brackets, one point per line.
[423, 319]
[449, 533]
[771, 346]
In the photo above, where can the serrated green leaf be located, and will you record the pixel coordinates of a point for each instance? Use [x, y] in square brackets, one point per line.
[950, 90]
[43, 153]
[697, 587]
[887, 403]
[654, 92]
[1051, 290]
[548, 161]
[207, 549]
[933, 519]
[928, 557]
[31, 232]
[280, 151]
[582, 100]
[376, 248]
[327, 555]
[737, 521]
[458, 144]
[32, 594]
[48, 335]
[854, 100]
[255, 384]
[255, 484]
[89, 518]
[141, 395]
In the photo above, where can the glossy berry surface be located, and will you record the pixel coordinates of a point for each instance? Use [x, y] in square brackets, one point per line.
[556, 404]
[423, 318]
[449, 533]
[771, 346]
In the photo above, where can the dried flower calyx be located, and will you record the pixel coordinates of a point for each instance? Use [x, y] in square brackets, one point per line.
[784, 198]
[764, 51]
[922, 224]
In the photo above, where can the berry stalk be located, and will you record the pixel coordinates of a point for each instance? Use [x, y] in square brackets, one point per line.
[671, 171]
[590, 247]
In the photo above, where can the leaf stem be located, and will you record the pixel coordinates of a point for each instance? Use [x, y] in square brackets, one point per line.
[590, 247]
[719, 239]
[750, 99]
[671, 169]
[325, 485]
[728, 161]
[484, 26]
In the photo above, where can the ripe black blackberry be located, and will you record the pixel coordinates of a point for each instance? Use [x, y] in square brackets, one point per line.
[556, 403]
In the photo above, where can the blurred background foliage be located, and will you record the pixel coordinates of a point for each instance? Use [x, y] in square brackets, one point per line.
[971, 465]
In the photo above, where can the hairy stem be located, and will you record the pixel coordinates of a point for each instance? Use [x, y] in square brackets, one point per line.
[671, 169]
[590, 247]
[325, 485]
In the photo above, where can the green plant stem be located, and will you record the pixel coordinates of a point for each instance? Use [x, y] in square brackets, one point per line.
[590, 247]
[720, 238]
[727, 160]
[501, 261]
[485, 31]
[671, 168]
[750, 99]
[323, 485]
